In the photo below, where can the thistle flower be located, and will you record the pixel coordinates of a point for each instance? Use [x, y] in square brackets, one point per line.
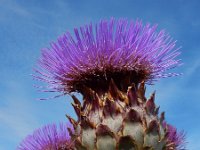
[175, 138]
[109, 65]
[49, 137]
[126, 52]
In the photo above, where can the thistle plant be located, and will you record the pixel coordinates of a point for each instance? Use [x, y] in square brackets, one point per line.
[49, 137]
[109, 63]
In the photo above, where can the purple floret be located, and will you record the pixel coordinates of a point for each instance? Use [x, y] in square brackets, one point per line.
[175, 138]
[49, 137]
[109, 49]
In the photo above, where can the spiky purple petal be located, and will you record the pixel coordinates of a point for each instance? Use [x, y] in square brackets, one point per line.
[49, 137]
[114, 46]
[175, 137]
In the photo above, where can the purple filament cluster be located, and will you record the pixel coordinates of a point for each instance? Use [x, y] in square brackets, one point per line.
[107, 47]
[49, 137]
[178, 138]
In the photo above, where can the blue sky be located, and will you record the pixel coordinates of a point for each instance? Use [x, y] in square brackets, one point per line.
[28, 26]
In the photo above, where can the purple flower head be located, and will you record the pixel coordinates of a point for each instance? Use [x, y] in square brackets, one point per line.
[127, 52]
[49, 137]
[175, 139]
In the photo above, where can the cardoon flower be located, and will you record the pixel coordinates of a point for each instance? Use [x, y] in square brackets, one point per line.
[126, 52]
[175, 138]
[109, 64]
[49, 137]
